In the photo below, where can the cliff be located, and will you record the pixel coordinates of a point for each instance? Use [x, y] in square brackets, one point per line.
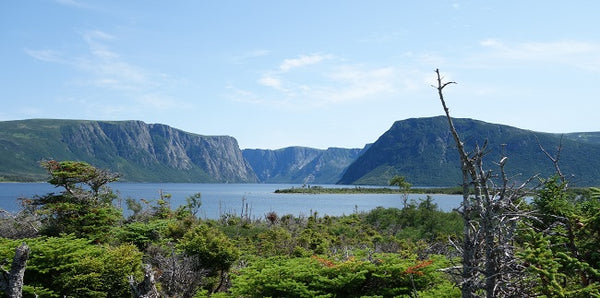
[300, 164]
[136, 150]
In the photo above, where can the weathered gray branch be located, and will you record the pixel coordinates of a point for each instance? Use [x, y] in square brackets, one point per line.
[490, 218]
[554, 160]
[147, 287]
[12, 281]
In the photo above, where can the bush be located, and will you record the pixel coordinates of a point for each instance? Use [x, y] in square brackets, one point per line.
[75, 267]
[384, 275]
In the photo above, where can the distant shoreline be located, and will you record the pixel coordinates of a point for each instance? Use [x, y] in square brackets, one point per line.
[368, 190]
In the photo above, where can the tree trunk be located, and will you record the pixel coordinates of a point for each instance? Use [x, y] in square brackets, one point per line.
[146, 288]
[17, 271]
[489, 217]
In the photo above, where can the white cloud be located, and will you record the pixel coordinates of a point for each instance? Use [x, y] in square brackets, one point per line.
[325, 86]
[276, 78]
[72, 3]
[45, 55]
[93, 35]
[107, 69]
[490, 42]
[360, 83]
[303, 60]
[102, 67]
[307, 82]
[270, 81]
[585, 55]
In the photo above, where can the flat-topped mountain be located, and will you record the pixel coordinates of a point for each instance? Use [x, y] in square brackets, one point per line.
[422, 150]
[136, 150]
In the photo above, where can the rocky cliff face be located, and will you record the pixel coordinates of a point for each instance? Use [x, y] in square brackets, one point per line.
[139, 151]
[300, 164]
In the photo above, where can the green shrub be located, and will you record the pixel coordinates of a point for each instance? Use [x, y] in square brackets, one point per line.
[75, 267]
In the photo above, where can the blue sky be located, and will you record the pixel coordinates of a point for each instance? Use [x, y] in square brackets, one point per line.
[320, 74]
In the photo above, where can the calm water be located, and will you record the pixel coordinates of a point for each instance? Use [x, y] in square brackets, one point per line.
[218, 199]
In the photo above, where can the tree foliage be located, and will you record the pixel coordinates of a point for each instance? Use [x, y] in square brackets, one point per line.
[76, 267]
[561, 244]
[388, 275]
[84, 207]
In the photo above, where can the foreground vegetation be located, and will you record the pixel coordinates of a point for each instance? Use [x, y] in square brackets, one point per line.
[82, 246]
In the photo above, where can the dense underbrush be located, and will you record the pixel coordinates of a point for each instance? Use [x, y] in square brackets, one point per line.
[82, 246]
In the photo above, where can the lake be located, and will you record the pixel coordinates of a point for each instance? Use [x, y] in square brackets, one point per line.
[219, 199]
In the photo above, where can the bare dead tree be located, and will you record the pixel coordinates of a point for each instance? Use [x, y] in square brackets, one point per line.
[490, 211]
[147, 287]
[19, 225]
[178, 274]
[12, 281]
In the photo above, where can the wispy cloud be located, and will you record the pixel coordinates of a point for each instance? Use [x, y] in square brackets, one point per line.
[95, 35]
[107, 68]
[240, 95]
[102, 67]
[73, 3]
[277, 79]
[270, 81]
[303, 60]
[46, 55]
[585, 55]
[319, 80]
[241, 58]
[356, 83]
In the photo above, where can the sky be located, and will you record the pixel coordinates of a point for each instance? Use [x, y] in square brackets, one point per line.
[311, 73]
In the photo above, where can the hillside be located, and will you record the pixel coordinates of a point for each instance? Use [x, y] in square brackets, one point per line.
[136, 150]
[300, 164]
[588, 137]
[420, 149]
[423, 150]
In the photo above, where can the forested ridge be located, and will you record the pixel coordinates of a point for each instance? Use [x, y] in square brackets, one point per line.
[422, 149]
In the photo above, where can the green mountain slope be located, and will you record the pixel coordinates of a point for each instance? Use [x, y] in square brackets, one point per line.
[136, 150]
[423, 150]
[420, 149]
[588, 137]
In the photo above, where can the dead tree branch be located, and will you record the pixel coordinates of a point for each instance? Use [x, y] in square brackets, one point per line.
[554, 159]
[490, 215]
[146, 288]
